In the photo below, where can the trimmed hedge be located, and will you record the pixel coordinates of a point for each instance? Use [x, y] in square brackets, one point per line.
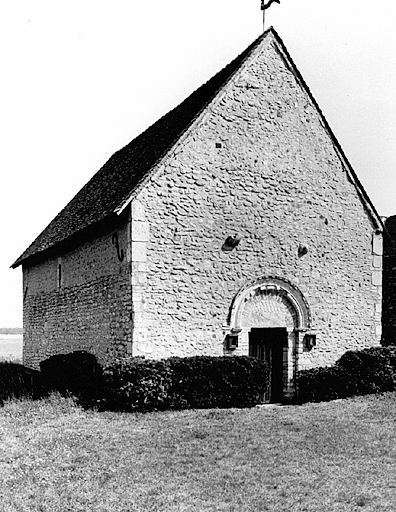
[77, 373]
[17, 381]
[323, 384]
[209, 382]
[136, 384]
[371, 370]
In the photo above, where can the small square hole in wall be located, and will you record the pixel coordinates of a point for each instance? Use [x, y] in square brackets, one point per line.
[218, 145]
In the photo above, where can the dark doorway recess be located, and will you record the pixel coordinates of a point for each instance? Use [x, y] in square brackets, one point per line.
[267, 344]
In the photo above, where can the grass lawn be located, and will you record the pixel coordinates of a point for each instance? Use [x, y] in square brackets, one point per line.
[336, 456]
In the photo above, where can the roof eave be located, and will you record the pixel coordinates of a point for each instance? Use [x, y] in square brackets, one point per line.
[109, 222]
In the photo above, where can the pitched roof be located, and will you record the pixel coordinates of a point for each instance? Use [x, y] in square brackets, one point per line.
[109, 189]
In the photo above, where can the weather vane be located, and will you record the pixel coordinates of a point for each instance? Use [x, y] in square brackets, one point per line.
[265, 6]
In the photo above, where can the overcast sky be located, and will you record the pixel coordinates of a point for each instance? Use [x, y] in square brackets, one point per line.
[82, 78]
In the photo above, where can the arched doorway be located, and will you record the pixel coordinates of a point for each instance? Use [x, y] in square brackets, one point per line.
[268, 319]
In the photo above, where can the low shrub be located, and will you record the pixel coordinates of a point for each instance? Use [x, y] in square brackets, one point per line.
[77, 373]
[361, 372]
[136, 384]
[324, 383]
[17, 381]
[217, 382]
[373, 369]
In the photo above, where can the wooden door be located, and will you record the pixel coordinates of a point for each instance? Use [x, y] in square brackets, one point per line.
[267, 344]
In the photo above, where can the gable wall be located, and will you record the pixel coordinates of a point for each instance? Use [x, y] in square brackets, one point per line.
[277, 181]
[91, 310]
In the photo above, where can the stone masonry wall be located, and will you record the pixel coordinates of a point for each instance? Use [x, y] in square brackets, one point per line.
[259, 164]
[80, 300]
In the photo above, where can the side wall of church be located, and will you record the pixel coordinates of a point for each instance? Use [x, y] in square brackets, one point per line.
[260, 165]
[80, 300]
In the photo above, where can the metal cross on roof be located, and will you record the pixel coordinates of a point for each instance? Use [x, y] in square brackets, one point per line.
[265, 6]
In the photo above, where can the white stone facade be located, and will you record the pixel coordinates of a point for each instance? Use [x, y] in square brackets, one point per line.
[259, 164]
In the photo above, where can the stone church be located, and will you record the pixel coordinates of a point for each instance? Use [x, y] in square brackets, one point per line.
[233, 225]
